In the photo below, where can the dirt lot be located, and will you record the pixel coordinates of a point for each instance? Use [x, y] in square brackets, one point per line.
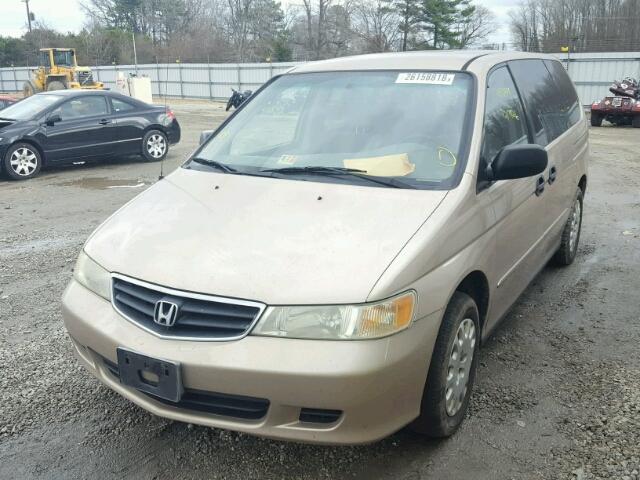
[558, 394]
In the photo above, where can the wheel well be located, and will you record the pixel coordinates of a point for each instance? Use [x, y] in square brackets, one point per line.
[476, 286]
[583, 184]
[155, 126]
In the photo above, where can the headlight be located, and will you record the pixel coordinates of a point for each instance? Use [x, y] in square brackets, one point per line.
[339, 322]
[92, 276]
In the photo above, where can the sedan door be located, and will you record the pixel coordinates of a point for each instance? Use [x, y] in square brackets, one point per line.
[83, 131]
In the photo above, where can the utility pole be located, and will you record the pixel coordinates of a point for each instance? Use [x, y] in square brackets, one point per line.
[28, 14]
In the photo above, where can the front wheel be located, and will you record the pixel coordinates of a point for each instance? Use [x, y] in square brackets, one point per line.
[566, 254]
[22, 161]
[596, 119]
[452, 370]
[154, 146]
[28, 89]
[636, 121]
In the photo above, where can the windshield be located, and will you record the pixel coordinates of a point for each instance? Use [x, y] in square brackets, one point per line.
[63, 58]
[29, 107]
[404, 125]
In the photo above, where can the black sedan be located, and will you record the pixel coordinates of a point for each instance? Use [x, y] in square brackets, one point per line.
[65, 126]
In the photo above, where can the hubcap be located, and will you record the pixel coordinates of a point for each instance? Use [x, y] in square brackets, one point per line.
[156, 145]
[23, 161]
[459, 366]
[576, 218]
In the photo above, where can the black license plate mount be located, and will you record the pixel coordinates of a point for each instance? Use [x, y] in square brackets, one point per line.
[160, 378]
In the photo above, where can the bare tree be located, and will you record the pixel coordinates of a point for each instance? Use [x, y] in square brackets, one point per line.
[476, 28]
[377, 26]
[582, 25]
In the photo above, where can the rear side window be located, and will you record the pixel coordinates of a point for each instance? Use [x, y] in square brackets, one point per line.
[551, 112]
[566, 99]
[504, 122]
[121, 106]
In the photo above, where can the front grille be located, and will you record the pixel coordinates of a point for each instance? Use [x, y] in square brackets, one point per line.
[199, 317]
[237, 406]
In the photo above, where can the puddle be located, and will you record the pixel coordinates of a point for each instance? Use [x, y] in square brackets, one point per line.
[102, 183]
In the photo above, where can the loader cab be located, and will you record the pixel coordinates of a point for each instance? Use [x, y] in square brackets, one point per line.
[58, 57]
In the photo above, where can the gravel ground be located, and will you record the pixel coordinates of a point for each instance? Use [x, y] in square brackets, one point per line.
[558, 390]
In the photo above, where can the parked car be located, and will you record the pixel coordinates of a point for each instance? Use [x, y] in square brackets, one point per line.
[327, 273]
[66, 126]
[6, 100]
[619, 110]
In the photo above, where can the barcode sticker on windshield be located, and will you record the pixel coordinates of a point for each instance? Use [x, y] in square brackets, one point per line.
[431, 78]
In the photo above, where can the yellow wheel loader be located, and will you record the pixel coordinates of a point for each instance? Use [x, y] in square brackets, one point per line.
[59, 70]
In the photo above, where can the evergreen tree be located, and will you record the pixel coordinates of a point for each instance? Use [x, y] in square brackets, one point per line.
[410, 14]
[440, 17]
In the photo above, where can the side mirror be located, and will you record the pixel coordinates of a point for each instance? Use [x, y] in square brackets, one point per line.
[518, 161]
[53, 119]
[205, 135]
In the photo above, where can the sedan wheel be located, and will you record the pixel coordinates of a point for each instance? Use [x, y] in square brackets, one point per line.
[156, 145]
[22, 161]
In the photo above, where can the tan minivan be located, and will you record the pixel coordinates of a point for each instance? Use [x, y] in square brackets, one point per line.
[326, 265]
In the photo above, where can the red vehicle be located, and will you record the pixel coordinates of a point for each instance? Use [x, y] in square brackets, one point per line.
[621, 109]
[6, 100]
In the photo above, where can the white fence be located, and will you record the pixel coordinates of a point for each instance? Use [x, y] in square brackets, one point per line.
[192, 80]
[592, 73]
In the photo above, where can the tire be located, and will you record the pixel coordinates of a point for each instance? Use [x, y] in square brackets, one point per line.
[155, 146]
[636, 121]
[596, 119]
[440, 418]
[56, 85]
[29, 89]
[566, 254]
[22, 162]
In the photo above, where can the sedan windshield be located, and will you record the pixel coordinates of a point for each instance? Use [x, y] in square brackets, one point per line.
[405, 126]
[29, 107]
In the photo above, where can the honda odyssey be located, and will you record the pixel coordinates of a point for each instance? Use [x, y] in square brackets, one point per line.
[326, 265]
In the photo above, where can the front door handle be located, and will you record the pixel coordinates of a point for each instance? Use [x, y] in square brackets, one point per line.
[104, 121]
[553, 174]
[540, 186]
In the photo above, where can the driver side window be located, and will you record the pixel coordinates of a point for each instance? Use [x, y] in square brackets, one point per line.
[82, 107]
[504, 120]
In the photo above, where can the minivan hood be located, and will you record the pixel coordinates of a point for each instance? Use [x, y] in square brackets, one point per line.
[277, 241]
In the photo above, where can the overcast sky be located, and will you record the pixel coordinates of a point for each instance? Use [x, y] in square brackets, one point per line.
[66, 15]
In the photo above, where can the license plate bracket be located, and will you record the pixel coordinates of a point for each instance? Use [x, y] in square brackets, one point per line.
[617, 102]
[161, 378]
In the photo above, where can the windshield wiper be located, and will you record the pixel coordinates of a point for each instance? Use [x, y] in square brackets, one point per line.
[339, 171]
[212, 163]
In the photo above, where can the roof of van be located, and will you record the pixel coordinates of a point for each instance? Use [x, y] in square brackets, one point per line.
[422, 60]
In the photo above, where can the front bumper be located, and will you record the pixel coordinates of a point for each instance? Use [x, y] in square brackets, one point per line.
[377, 384]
